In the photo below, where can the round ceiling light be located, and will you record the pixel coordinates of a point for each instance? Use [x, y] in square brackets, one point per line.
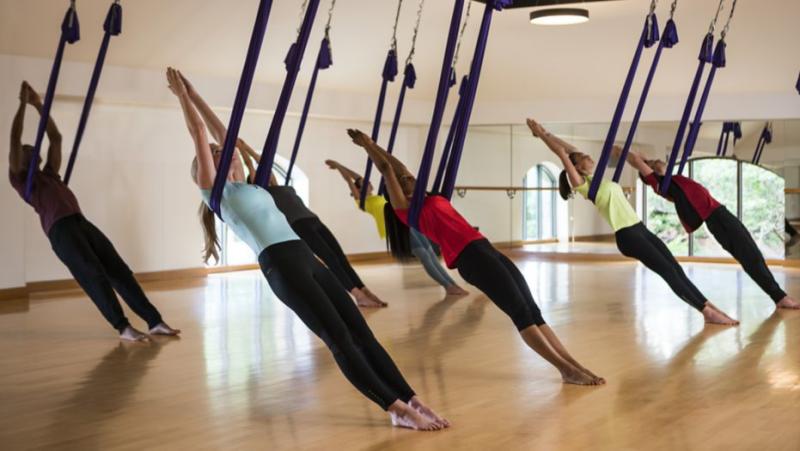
[559, 16]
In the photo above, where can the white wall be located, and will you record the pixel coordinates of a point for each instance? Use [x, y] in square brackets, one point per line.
[132, 176]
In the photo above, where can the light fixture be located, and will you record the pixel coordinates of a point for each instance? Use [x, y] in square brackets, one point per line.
[559, 16]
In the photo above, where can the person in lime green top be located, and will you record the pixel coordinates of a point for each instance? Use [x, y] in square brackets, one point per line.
[419, 245]
[633, 238]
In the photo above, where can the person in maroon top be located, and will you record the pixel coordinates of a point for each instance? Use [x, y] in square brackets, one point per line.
[478, 262]
[89, 255]
[695, 206]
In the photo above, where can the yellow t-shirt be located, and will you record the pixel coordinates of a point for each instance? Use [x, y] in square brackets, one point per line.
[374, 207]
[611, 203]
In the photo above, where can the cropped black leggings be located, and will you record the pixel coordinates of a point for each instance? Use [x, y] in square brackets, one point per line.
[734, 237]
[639, 243]
[322, 242]
[483, 266]
[308, 288]
[99, 270]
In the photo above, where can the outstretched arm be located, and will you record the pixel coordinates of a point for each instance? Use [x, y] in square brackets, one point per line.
[214, 124]
[16, 159]
[53, 135]
[561, 151]
[383, 164]
[349, 176]
[635, 160]
[197, 129]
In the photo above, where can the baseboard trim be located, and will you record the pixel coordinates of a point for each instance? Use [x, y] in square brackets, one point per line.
[510, 247]
[46, 287]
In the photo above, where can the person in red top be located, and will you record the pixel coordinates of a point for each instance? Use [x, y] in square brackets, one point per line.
[695, 206]
[478, 262]
[89, 255]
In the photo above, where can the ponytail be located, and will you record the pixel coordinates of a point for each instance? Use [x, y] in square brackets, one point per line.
[398, 239]
[564, 189]
[208, 221]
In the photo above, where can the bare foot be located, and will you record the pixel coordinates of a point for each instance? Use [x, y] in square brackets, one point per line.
[362, 300]
[715, 316]
[403, 416]
[426, 411]
[600, 380]
[455, 290]
[163, 329]
[131, 334]
[788, 303]
[577, 377]
[374, 297]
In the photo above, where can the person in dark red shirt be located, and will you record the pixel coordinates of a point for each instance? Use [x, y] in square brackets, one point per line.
[89, 255]
[478, 262]
[695, 206]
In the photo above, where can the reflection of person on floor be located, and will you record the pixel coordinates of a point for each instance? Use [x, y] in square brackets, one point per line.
[695, 205]
[105, 390]
[82, 247]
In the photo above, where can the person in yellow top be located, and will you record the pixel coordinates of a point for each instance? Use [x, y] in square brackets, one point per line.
[633, 238]
[374, 205]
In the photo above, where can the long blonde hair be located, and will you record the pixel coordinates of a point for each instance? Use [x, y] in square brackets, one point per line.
[211, 246]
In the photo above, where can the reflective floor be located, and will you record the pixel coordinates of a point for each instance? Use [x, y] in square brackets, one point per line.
[247, 374]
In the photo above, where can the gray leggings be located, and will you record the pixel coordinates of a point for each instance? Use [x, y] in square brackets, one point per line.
[422, 249]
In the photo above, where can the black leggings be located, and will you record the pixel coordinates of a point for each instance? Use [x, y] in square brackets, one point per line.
[99, 270]
[482, 265]
[732, 235]
[639, 243]
[307, 287]
[322, 242]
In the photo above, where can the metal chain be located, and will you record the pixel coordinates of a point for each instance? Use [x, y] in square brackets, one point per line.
[73, 6]
[728, 23]
[672, 9]
[651, 15]
[330, 18]
[302, 13]
[713, 25]
[461, 34]
[393, 45]
[416, 32]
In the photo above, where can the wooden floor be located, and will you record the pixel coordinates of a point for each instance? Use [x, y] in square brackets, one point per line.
[248, 375]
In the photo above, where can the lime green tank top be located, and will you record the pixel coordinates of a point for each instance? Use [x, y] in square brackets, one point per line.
[374, 207]
[611, 203]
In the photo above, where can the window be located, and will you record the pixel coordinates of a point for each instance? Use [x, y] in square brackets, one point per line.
[752, 193]
[539, 217]
[234, 250]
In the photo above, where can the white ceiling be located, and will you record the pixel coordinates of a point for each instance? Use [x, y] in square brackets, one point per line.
[210, 37]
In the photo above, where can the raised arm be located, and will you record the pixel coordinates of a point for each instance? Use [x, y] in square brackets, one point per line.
[561, 151]
[16, 157]
[379, 156]
[197, 129]
[349, 176]
[53, 135]
[214, 124]
[635, 160]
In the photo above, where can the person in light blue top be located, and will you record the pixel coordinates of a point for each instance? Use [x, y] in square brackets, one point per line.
[299, 280]
[252, 214]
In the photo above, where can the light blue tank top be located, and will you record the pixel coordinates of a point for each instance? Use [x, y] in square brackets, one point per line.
[252, 215]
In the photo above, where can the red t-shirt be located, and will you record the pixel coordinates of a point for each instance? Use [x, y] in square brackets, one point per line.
[50, 197]
[692, 200]
[442, 224]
